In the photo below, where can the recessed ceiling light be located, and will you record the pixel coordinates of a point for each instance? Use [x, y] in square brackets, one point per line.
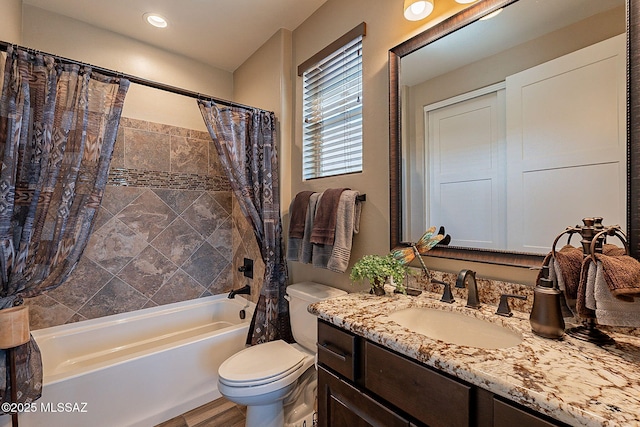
[155, 20]
[465, 1]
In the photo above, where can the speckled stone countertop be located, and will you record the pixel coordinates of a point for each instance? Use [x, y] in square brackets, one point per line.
[570, 380]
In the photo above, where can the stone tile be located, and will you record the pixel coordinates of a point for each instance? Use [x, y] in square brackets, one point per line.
[148, 271]
[148, 215]
[146, 150]
[178, 200]
[150, 304]
[224, 282]
[215, 167]
[77, 318]
[117, 159]
[205, 264]
[160, 128]
[45, 312]
[115, 297]
[224, 199]
[87, 279]
[178, 241]
[200, 134]
[222, 239]
[102, 217]
[181, 287]
[205, 215]
[117, 197]
[134, 123]
[189, 155]
[114, 245]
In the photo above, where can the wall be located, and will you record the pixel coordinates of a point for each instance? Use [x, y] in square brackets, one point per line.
[73, 39]
[11, 21]
[386, 27]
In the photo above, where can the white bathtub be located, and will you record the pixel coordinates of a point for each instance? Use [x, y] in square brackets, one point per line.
[136, 369]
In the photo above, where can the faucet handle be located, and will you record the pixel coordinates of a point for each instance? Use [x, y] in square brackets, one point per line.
[447, 296]
[503, 307]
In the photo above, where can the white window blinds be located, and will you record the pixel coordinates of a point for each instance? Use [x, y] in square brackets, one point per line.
[332, 113]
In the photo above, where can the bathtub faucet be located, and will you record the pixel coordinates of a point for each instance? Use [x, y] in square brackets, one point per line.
[246, 289]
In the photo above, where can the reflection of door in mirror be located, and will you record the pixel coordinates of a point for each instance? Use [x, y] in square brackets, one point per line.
[514, 181]
[466, 167]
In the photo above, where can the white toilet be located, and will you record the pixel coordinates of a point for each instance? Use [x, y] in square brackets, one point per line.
[275, 380]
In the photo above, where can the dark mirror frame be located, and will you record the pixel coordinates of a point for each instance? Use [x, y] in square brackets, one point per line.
[516, 259]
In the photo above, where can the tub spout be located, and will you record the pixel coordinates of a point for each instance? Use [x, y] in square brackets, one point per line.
[246, 289]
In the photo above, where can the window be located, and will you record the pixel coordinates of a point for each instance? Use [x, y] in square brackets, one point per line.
[332, 108]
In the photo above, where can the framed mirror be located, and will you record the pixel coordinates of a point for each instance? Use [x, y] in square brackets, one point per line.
[503, 67]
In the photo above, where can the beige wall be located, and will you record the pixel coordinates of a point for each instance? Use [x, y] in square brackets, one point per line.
[11, 21]
[73, 39]
[386, 27]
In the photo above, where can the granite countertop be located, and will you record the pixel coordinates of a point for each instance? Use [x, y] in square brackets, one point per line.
[570, 380]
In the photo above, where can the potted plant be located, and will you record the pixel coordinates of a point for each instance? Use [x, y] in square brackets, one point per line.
[377, 269]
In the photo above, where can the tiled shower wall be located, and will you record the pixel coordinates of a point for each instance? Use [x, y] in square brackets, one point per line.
[169, 229]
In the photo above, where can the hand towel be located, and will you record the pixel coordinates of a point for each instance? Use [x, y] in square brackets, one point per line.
[622, 275]
[324, 224]
[298, 214]
[301, 249]
[336, 257]
[610, 310]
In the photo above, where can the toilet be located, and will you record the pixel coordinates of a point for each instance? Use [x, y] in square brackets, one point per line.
[277, 381]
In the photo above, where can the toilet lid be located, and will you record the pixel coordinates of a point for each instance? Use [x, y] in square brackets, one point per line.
[261, 362]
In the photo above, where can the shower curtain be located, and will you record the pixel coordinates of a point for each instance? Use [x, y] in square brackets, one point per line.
[245, 141]
[58, 125]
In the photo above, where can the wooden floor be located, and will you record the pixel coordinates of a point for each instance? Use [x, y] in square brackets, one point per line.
[219, 413]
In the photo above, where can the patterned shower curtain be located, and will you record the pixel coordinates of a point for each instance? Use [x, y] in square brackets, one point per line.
[245, 141]
[58, 125]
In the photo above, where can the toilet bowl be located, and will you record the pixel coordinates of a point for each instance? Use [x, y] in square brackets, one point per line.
[269, 377]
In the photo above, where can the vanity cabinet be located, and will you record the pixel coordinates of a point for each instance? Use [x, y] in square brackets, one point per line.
[361, 383]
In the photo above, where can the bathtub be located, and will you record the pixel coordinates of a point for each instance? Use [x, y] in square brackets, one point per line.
[136, 369]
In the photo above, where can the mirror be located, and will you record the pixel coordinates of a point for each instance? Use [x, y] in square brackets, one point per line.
[464, 60]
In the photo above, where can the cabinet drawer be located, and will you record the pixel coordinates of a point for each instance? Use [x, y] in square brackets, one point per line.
[507, 415]
[337, 350]
[430, 397]
[342, 405]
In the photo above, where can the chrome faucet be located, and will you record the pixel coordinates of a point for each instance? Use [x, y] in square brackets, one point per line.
[468, 278]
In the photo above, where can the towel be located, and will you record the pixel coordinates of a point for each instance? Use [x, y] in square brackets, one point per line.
[565, 269]
[324, 224]
[300, 249]
[336, 257]
[298, 214]
[622, 275]
[608, 309]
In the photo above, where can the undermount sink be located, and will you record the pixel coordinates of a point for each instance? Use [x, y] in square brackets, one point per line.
[455, 328]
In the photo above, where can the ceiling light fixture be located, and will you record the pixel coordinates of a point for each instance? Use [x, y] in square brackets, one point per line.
[491, 15]
[465, 1]
[415, 10]
[155, 20]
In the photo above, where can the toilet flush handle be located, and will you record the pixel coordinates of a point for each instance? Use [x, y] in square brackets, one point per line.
[287, 297]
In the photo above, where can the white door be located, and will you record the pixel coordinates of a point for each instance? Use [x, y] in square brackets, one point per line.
[466, 170]
[566, 144]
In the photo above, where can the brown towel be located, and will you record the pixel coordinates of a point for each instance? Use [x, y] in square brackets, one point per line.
[622, 274]
[568, 260]
[298, 214]
[324, 224]
[581, 295]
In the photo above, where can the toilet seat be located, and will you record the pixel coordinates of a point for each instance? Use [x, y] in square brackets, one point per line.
[261, 364]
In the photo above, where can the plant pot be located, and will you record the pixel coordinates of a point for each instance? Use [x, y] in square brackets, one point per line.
[377, 288]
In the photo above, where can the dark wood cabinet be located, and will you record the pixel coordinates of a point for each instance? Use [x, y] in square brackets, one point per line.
[361, 383]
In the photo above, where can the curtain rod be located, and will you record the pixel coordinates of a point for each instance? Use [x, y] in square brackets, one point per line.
[133, 79]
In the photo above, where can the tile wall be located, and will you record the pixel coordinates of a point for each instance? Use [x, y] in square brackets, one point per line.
[169, 230]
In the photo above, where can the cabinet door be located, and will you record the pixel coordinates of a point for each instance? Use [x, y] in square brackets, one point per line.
[342, 405]
[507, 415]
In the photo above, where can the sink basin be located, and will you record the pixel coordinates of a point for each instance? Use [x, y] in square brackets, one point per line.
[455, 328]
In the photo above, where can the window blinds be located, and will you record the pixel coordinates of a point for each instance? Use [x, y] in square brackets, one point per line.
[332, 112]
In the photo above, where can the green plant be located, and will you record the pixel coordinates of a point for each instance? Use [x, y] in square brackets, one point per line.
[377, 268]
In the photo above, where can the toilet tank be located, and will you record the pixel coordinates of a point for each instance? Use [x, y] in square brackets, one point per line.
[304, 324]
